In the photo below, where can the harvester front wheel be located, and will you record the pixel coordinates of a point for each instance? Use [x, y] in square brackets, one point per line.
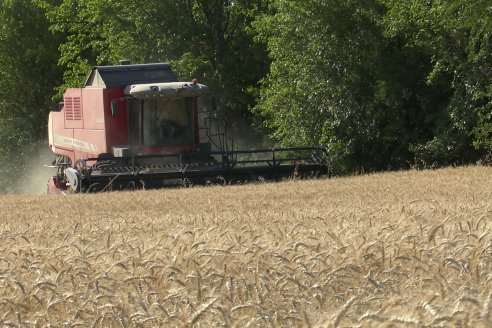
[73, 178]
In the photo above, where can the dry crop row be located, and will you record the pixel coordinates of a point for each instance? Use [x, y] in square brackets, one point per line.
[397, 249]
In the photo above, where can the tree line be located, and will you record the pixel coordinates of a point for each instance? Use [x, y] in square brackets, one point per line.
[384, 84]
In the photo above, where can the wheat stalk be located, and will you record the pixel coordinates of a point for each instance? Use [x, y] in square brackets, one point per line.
[201, 310]
[343, 311]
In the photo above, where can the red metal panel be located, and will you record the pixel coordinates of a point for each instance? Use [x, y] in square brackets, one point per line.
[77, 109]
[117, 122]
[93, 108]
[60, 138]
[89, 143]
[73, 109]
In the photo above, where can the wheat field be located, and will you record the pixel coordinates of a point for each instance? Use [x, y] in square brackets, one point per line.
[406, 249]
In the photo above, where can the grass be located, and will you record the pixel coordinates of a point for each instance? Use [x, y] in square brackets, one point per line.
[393, 250]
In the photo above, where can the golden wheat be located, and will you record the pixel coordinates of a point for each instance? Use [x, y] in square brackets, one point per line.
[395, 249]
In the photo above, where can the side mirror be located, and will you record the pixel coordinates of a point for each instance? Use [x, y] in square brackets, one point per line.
[115, 107]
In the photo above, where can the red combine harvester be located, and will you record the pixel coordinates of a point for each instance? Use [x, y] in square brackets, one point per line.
[136, 126]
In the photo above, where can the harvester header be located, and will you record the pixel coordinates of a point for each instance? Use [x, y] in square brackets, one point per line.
[137, 126]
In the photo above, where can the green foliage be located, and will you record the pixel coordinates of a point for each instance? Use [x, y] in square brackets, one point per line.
[329, 81]
[483, 130]
[381, 83]
[28, 75]
[456, 36]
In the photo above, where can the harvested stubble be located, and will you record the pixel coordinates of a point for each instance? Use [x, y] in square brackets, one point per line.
[395, 249]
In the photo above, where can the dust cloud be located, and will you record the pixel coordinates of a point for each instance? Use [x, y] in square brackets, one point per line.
[35, 173]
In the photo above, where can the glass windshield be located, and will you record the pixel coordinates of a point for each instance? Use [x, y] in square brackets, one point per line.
[167, 122]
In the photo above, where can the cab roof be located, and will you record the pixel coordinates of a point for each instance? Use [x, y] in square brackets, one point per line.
[126, 74]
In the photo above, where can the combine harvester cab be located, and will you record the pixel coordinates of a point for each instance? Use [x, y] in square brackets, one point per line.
[137, 127]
